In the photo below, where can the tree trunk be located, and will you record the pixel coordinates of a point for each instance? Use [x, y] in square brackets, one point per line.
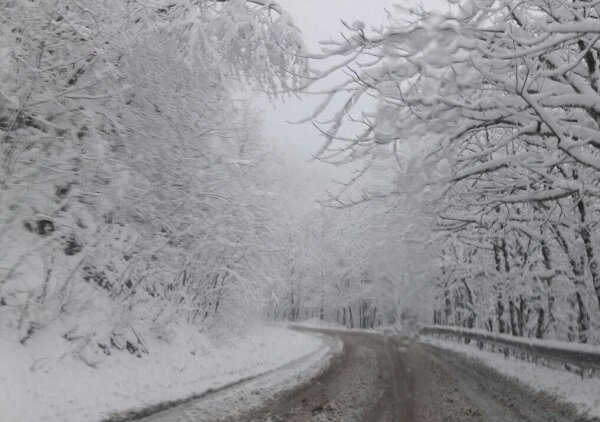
[514, 330]
[500, 315]
[583, 317]
[499, 298]
[589, 249]
[374, 316]
[351, 320]
[539, 332]
[521, 316]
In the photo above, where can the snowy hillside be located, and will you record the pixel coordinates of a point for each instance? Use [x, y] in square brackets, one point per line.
[45, 382]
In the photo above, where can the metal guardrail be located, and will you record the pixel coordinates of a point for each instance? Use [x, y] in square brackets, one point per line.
[581, 359]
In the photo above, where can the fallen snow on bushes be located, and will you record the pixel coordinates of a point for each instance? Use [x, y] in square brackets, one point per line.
[567, 386]
[45, 381]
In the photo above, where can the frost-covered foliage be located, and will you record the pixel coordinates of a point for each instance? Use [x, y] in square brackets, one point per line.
[130, 173]
[502, 96]
[339, 270]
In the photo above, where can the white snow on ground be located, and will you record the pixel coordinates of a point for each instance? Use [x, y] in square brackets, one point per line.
[319, 324]
[230, 402]
[44, 381]
[571, 388]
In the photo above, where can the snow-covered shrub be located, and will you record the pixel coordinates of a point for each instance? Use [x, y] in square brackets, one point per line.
[121, 187]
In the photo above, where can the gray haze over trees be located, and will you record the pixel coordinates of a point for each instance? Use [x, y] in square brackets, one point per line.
[136, 182]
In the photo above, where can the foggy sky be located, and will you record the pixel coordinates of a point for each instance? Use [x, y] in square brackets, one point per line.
[318, 20]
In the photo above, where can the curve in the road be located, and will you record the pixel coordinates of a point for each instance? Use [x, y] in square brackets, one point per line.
[390, 379]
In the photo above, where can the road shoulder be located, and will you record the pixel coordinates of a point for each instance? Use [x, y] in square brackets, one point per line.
[517, 389]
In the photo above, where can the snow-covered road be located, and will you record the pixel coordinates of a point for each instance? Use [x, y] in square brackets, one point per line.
[228, 402]
[386, 379]
[328, 375]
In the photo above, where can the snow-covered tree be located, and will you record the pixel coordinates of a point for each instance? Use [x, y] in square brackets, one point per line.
[131, 172]
[334, 272]
[501, 97]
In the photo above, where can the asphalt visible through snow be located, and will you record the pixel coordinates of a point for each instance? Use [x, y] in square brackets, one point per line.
[390, 379]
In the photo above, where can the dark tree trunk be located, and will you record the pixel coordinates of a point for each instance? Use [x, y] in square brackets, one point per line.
[500, 315]
[521, 321]
[499, 298]
[350, 319]
[589, 249]
[539, 332]
[513, 318]
[471, 317]
[374, 317]
[583, 317]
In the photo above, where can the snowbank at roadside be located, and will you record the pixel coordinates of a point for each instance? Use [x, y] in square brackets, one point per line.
[232, 402]
[44, 381]
[569, 387]
[319, 324]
